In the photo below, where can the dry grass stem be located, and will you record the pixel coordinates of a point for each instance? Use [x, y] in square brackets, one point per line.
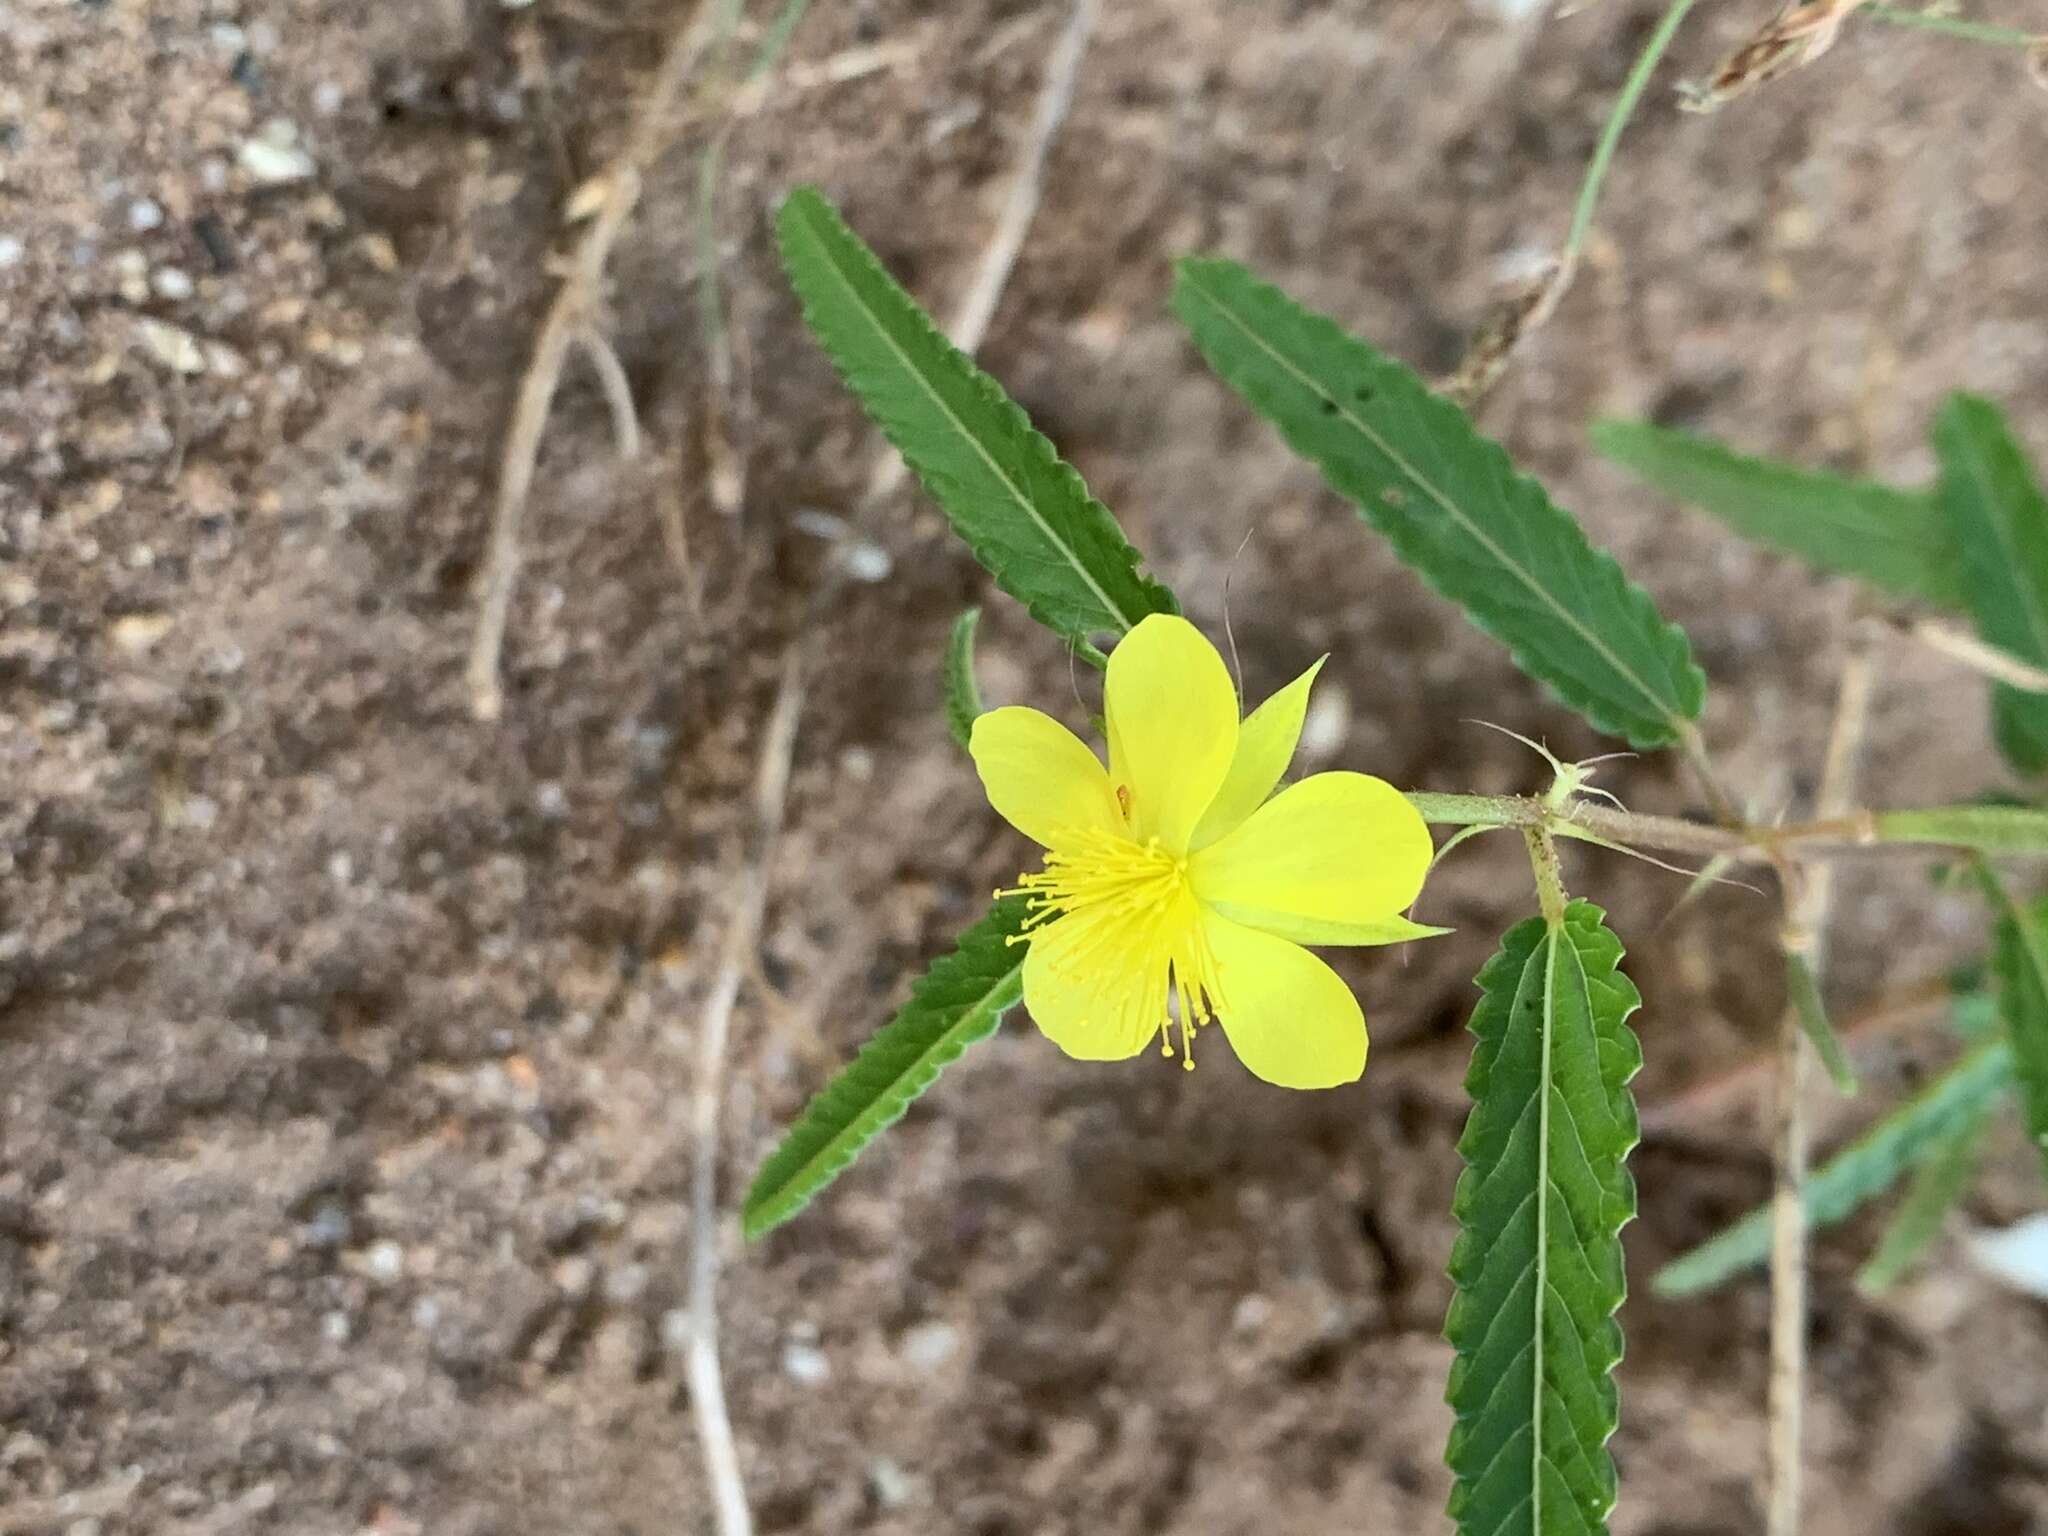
[574, 310]
[1806, 937]
[1799, 35]
[736, 961]
[2000, 666]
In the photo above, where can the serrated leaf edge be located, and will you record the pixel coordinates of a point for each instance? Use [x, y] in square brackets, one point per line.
[1638, 599]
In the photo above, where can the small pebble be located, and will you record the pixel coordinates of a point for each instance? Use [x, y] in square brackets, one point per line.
[805, 1364]
[386, 1260]
[866, 560]
[274, 158]
[172, 283]
[145, 214]
[12, 252]
[177, 350]
[330, 1225]
[334, 1327]
[136, 633]
[930, 1345]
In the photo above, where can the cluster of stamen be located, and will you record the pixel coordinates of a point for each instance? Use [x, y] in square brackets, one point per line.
[1122, 905]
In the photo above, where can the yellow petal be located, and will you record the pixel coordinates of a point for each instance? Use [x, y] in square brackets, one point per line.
[1172, 726]
[1041, 777]
[1289, 1017]
[1335, 848]
[1265, 746]
[1310, 930]
[1092, 1011]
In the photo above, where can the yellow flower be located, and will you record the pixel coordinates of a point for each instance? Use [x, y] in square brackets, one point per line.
[1174, 876]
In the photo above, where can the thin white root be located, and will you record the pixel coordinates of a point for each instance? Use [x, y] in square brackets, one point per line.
[742, 940]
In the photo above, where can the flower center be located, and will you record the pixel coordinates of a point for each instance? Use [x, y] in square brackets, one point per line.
[1129, 933]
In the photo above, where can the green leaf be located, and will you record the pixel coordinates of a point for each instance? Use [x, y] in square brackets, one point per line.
[963, 698]
[1802, 991]
[1859, 1173]
[960, 1000]
[1986, 829]
[2019, 967]
[1450, 503]
[1942, 1180]
[2001, 524]
[1895, 539]
[1022, 509]
[1540, 1207]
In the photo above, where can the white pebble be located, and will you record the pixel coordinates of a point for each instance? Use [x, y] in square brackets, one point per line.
[930, 1345]
[12, 252]
[805, 1365]
[172, 283]
[145, 214]
[273, 158]
[334, 1327]
[386, 1260]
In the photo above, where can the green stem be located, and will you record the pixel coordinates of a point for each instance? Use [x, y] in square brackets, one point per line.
[1994, 830]
[1610, 136]
[1953, 26]
[1549, 874]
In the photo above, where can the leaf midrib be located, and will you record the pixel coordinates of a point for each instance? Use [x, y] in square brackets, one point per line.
[824, 245]
[1672, 719]
[767, 1212]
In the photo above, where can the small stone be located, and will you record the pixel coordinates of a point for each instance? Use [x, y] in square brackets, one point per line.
[930, 1345]
[12, 252]
[1251, 1313]
[138, 633]
[551, 800]
[145, 214]
[386, 1260]
[675, 1330]
[177, 350]
[172, 283]
[273, 158]
[805, 1364]
[892, 1486]
[335, 1328]
[866, 561]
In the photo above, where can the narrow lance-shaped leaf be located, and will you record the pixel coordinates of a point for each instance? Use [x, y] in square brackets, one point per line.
[1451, 504]
[1856, 1175]
[2019, 970]
[1993, 830]
[1802, 992]
[2000, 520]
[960, 1000]
[1937, 1187]
[1540, 1207]
[963, 696]
[1022, 509]
[1895, 539]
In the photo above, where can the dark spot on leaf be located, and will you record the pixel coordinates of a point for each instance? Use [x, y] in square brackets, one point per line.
[1362, 394]
[1329, 406]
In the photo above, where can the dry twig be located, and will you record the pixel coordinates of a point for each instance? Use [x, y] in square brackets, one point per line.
[573, 313]
[1806, 939]
[2001, 666]
[742, 939]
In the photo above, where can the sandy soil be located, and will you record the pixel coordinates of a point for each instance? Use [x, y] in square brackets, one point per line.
[345, 1041]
